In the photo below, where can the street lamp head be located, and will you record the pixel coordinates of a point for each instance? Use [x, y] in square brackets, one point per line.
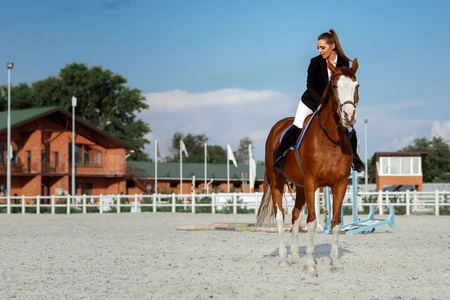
[9, 65]
[366, 121]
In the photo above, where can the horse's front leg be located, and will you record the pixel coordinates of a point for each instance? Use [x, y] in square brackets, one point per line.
[336, 222]
[310, 267]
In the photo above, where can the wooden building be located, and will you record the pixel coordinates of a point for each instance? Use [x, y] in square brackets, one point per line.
[41, 140]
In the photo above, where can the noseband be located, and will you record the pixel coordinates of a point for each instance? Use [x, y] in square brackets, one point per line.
[339, 105]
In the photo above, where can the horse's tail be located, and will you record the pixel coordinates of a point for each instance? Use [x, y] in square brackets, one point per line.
[265, 211]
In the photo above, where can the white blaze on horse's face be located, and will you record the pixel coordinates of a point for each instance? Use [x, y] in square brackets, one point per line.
[346, 89]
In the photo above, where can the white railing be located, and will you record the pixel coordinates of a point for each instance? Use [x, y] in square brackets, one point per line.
[413, 202]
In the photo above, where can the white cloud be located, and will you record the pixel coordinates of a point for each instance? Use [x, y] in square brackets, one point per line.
[401, 142]
[180, 100]
[441, 130]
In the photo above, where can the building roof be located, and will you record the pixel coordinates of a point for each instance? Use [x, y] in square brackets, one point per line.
[172, 170]
[377, 155]
[24, 116]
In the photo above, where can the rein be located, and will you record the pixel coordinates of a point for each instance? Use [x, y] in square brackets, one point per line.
[338, 104]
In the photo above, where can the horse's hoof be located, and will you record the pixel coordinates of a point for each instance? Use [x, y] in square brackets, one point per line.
[283, 264]
[338, 270]
[310, 270]
[295, 261]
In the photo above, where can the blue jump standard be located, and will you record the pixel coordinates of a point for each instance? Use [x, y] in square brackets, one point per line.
[366, 225]
[369, 224]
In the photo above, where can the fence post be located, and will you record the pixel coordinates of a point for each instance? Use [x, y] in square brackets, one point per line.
[408, 203]
[213, 203]
[256, 203]
[380, 202]
[100, 204]
[234, 203]
[23, 204]
[68, 204]
[53, 204]
[38, 205]
[193, 202]
[436, 204]
[135, 203]
[8, 204]
[173, 203]
[154, 202]
[84, 203]
[118, 203]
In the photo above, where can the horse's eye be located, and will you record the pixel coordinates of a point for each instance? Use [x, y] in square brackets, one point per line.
[334, 86]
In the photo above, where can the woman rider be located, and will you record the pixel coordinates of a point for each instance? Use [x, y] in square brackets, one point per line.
[318, 76]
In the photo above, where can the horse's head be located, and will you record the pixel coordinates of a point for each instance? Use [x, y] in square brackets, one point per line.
[344, 92]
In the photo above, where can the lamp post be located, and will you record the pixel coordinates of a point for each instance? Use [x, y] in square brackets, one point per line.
[365, 149]
[9, 155]
[74, 104]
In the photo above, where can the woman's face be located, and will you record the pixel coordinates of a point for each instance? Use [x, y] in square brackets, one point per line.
[324, 49]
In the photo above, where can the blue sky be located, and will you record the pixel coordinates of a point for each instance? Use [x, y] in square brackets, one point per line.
[231, 69]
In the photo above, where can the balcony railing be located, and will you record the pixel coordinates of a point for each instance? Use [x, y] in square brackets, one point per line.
[51, 168]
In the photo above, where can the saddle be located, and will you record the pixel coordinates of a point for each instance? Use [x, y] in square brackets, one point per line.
[299, 141]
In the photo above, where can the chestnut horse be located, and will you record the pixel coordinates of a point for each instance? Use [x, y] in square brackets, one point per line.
[326, 158]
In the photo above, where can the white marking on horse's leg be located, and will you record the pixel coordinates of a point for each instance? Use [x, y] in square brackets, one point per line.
[295, 258]
[310, 266]
[336, 264]
[282, 248]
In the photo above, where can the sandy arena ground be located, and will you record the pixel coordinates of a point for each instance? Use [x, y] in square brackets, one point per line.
[142, 256]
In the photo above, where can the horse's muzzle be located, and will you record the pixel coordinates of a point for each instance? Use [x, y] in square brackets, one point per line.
[349, 118]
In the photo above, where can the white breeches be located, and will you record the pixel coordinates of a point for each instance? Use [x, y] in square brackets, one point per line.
[302, 112]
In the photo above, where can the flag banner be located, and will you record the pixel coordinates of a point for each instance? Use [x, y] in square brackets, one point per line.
[183, 148]
[252, 167]
[157, 150]
[231, 155]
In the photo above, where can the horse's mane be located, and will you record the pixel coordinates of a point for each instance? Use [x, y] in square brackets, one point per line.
[326, 94]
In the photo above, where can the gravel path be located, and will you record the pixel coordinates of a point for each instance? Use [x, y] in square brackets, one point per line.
[142, 256]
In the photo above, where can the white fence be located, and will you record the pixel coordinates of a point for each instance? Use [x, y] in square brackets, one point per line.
[408, 202]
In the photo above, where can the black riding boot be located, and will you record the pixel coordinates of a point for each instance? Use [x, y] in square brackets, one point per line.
[357, 163]
[289, 138]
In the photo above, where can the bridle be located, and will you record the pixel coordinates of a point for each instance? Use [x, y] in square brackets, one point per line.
[339, 105]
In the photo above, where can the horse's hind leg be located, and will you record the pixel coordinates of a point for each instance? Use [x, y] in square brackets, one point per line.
[296, 218]
[277, 196]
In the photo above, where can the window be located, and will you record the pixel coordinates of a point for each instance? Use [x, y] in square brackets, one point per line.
[86, 188]
[3, 152]
[56, 155]
[174, 184]
[400, 166]
[29, 161]
[85, 156]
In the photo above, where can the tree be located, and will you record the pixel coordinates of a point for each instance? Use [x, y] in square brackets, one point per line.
[437, 162]
[103, 100]
[195, 148]
[371, 172]
[242, 151]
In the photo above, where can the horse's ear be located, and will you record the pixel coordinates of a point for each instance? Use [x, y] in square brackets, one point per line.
[331, 67]
[355, 65]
